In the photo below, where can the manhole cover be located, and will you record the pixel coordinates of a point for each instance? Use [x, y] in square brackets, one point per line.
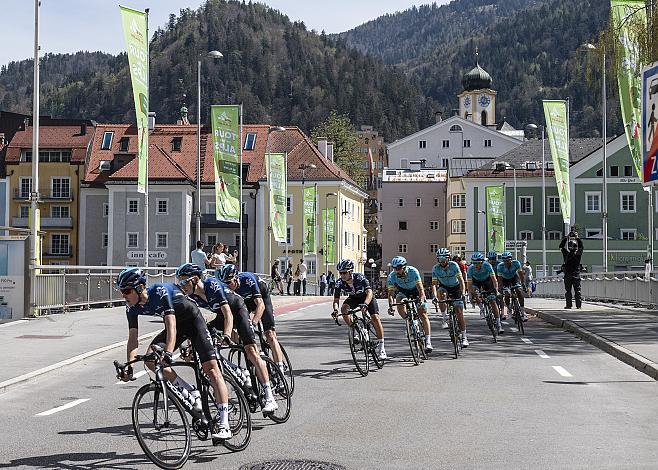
[292, 465]
[41, 337]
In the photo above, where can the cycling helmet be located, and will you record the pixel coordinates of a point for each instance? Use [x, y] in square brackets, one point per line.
[477, 257]
[131, 277]
[226, 273]
[506, 255]
[443, 253]
[345, 265]
[492, 255]
[398, 261]
[189, 270]
[572, 245]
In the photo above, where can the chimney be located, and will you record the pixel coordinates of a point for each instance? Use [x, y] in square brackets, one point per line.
[438, 116]
[83, 129]
[330, 151]
[151, 120]
[322, 146]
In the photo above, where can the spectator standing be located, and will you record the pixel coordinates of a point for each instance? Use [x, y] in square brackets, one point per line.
[228, 257]
[276, 276]
[323, 283]
[288, 277]
[331, 283]
[217, 259]
[303, 270]
[198, 256]
[297, 282]
[527, 270]
[572, 251]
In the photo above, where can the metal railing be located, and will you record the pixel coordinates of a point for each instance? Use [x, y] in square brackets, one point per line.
[630, 287]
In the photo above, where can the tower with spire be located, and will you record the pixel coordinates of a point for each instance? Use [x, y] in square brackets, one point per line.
[477, 101]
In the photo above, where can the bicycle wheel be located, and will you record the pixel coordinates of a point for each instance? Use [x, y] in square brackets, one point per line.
[288, 371]
[420, 339]
[239, 417]
[518, 318]
[454, 333]
[411, 337]
[372, 336]
[280, 391]
[491, 323]
[166, 442]
[359, 350]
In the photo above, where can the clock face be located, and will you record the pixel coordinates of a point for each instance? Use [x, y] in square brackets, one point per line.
[484, 100]
[467, 102]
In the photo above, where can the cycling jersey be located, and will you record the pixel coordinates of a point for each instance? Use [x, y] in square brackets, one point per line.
[249, 287]
[163, 299]
[215, 291]
[357, 288]
[494, 265]
[509, 272]
[482, 274]
[446, 276]
[407, 282]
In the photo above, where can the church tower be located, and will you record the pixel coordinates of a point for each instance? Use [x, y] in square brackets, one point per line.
[477, 102]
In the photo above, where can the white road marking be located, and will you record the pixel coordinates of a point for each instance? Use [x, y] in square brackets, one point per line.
[513, 329]
[526, 340]
[562, 371]
[17, 322]
[63, 407]
[505, 323]
[542, 354]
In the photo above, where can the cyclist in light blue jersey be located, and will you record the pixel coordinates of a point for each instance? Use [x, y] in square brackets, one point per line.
[405, 282]
[511, 276]
[482, 279]
[447, 276]
[492, 258]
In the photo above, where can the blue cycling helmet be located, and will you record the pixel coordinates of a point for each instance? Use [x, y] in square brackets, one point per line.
[492, 255]
[345, 265]
[227, 272]
[189, 270]
[442, 253]
[131, 277]
[477, 257]
[506, 255]
[398, 261]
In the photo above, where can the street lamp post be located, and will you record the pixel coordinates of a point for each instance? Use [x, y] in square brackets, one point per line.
[34, 192]
[211, 55]
[271, 129]
[486, 234]
[326, 235]
[534, 127]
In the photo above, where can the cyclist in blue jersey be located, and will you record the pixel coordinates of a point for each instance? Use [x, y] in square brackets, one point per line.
[357, 288]
[482, 279]
[448, 283]
[256, 296]
[182, 320]
[492, 258]
[405, 282]
[511, 276]
[231, 310]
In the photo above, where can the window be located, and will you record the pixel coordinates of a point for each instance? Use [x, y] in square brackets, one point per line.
[483, 120]
[627, 201]
[404, 163]
[161, 239]
[105, 240]
[525, 235]
[402, 248]
[614, 170]
[401, 202]
[436, 202]
[458, 226]
[402, 225]
[123, 144]
[554, 235]
[289, 203]
[487, 142]
[628, 233]
[594, 233]
[553, 204]
[289, 239]
[592, 201]
[459, 200]
[422, 144]
[162, 206]
[132, 240]
[60, 212]
[25, 187]
[133, 206]
[628, 170]
[60, 188]
[525, 205]
[467, 143]
[107, 141]
[250, 141]
[176, 144]
[446, 144]
[106, 209]
[310, 266]
[210, 208]
[24, 212]
[599, 172]
[47, 156]
[211, 239]
[434, 248]
[419, 202]
[59, 244]
[346, 241]
[455, 128]
[434, 224]
[458, 250]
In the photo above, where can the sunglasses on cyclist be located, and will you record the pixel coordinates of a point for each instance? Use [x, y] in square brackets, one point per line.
[477, 263]
[343, 272]
[184, 282]
[126, 290]
[399, 268]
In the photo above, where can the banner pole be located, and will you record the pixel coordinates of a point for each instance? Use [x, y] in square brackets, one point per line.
[285, 166]
[146, 187]
[315, 238]
[241, 246]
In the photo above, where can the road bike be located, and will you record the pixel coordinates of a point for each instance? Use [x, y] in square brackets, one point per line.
[454, 329]
[484, 298]
[415, 330]
[160, 412]
[515, 307]
[362, 339]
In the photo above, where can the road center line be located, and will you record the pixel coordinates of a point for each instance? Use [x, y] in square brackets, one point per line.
[526, 340]
[542, 354]
[63, 407]
[562, 371]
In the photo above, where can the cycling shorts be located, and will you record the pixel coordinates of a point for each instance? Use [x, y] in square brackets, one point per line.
[411, 295]
[197, 332]
[241, 321]
[514, 283]
[485, 286]
[354, 302]
[454, 293]
[268, 314]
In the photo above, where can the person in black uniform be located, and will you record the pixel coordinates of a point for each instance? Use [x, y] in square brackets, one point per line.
[572, 251]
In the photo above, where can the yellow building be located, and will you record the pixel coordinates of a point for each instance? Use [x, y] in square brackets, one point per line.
[62, 153]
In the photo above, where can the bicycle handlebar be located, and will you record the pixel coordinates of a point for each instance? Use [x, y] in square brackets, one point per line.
[351, 311]
[121, 368]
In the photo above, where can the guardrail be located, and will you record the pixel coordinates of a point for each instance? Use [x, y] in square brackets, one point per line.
[626, 287]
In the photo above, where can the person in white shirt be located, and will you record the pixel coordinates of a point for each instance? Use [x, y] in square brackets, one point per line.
[198, 256]
[303, 269]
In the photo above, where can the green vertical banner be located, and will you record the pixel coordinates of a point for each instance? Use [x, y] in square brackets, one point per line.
[329, 240]
[135, 32]
[557, 129]
[226, 148]
[495, 200]
[629, 16]
[309, 220]
[276, 178]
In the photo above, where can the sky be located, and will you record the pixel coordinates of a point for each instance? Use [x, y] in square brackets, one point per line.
[94, 25]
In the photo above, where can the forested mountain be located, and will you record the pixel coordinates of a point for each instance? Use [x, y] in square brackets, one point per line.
[528, 46]
[281, 72]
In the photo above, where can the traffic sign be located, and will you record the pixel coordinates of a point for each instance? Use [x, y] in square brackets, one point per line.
[650, 124]
[519, 244]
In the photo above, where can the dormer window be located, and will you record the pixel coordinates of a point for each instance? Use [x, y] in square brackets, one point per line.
[123, 144]
[176, 144]
[455, 128]
[107, 140]
[250, 141]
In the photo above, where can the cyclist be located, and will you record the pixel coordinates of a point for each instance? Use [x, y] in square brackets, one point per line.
[230, 308]
[492, 258]
[406, 281]
[182, 320]
[357, 288]
[256, 296]
[511, 276]
[448, 277]
[482, 278]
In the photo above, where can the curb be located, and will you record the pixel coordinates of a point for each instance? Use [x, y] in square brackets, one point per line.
[625, 355]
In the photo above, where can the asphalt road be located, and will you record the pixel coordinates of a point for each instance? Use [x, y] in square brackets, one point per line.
[551, 402]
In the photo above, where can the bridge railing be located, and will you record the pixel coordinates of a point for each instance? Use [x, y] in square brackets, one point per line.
[626, 287]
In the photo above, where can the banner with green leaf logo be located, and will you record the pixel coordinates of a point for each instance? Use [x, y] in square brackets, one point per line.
[628, 17]
[329, 241]
[495, 201]
[276, 178]
[226, 148]
[135, 31]
[557, 129]
[309, 220]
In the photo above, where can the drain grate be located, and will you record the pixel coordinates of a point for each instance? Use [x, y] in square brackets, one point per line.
[292, 465]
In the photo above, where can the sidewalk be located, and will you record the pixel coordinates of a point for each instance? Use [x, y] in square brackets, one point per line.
[38, 345]
[629, 334]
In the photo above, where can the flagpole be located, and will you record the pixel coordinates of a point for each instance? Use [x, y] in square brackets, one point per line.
[240, 254]
[315, 237]
[34, 192]
[285, 165]
[146, 186]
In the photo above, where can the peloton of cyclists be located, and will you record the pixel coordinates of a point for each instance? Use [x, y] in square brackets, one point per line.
[448, 283]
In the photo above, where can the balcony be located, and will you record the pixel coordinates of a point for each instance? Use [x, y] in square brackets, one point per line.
[46, 222]
[209, 221]
[58, 251]
[59, 196]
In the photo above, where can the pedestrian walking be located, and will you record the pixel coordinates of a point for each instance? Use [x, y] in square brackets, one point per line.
[572, 251]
